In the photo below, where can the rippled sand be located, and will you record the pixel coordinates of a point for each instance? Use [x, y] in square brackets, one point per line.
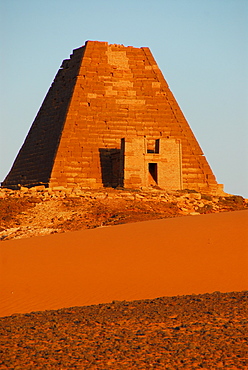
[144, 260]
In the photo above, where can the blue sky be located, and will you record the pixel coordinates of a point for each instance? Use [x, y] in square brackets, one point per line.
[201, 46]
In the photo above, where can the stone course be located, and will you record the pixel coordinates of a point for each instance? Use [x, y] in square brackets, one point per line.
[102, 94]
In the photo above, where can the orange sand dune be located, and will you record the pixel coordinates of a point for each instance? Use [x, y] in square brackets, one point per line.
[191, 254]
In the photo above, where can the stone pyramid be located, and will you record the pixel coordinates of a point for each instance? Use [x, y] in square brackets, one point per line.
[109, 119]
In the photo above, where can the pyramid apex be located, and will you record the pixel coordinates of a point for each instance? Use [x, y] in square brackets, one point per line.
[96, 42]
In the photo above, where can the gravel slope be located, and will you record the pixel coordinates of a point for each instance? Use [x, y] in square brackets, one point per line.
[206, 331]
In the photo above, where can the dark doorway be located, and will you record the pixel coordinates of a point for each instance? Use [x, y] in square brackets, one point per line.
[153, 172]
[111, 167]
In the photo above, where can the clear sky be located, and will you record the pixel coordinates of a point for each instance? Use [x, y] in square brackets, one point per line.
[201, 46]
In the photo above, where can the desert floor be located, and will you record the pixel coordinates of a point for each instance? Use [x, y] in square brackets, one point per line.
[185, 332]
[117, 273]
[142, 260]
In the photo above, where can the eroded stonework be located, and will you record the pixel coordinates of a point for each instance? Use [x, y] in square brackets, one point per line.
[99, 124]
[146, 165]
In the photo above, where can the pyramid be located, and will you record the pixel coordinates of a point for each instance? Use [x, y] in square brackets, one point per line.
[109, 119]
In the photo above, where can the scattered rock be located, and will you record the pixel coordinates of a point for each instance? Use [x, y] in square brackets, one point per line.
[165, 333]
[40, 210]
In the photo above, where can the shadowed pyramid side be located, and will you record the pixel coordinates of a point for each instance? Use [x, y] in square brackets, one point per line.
[34, 162]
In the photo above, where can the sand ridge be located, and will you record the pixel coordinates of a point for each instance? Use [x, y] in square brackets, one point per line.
[192, 254]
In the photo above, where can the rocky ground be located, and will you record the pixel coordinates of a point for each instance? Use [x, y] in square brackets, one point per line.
[207, 331]
[39, 211]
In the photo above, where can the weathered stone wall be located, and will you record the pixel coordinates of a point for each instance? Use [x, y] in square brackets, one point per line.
[134, 165]
[109, 92]
[35, 159]
[139, 162]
